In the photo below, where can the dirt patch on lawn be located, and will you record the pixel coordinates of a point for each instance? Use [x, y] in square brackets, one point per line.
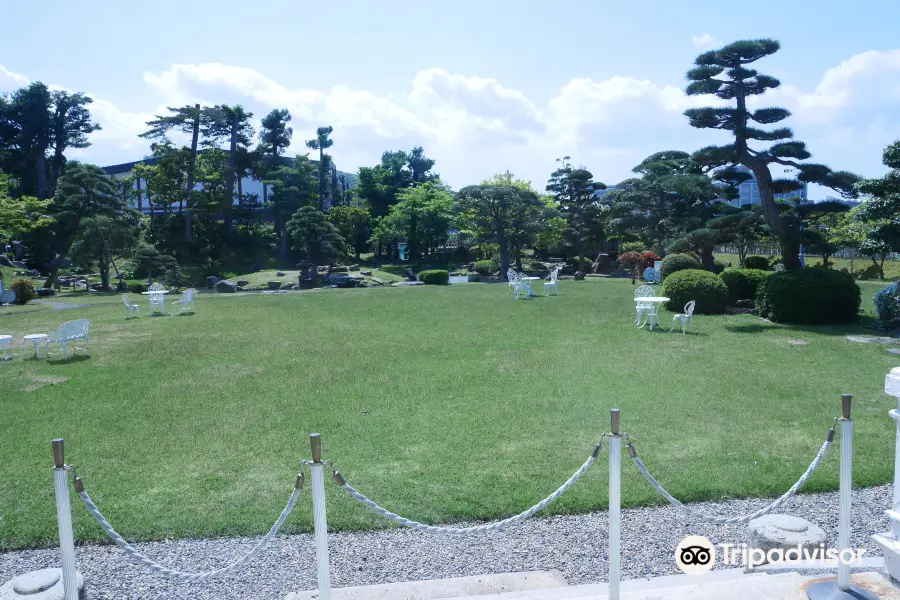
[43, 381]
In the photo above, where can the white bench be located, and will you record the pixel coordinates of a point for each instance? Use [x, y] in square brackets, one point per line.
[70, 331]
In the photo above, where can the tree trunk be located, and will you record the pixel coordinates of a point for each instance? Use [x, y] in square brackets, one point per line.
[232, 155]
[140, 196]
[54, 269]
[504, 251]
[104, 271]
[189, 188]
[41, 166]
[282, 252]
[56, 167]
[708, 260]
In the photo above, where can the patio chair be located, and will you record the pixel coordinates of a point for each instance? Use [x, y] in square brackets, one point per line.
[187, 300]
[553, 284]
[156, 300]
[134, 310]
[513, 278]
[70, 331]
[644, 309]
[521, 285]
[687, 317]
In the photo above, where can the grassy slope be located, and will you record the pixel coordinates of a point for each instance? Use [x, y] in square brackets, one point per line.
[891, 267]
[440, 402]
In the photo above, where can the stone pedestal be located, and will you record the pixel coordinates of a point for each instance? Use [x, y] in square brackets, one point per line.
[45, 584]
[890, 540]
[771, 532]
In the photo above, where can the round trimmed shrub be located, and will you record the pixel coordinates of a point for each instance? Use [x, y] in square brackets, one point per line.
[137, 288]
[435, 277]
[678, 262]
[887, 304]
[756, 262]
[24, 290]
[742, 283]
[705, 288]
[484, 267]
[808, 296]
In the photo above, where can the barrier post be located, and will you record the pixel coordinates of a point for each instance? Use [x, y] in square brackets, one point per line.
[64, 520]
[321, 524]
[843, 590]
[615, 505]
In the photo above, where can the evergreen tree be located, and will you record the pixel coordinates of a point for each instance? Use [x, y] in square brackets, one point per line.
[322, 142]
[274, 138]
[576, 192]
[315, 237]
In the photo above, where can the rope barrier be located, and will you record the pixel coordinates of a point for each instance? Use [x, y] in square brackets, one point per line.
[339, 479]
[632, 452]
[172, 573]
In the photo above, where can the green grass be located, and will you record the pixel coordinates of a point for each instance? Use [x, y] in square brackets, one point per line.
[441, 402]
[260, 278]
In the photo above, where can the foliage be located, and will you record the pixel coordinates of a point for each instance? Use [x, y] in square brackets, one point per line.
[24, 290]
[317, 239]
[354, 224]
[104, 237]
[484, 267]
[321, 142]
[380, 185]
[756, 262]
[809, 296]
[574, 190]
[718, 266]
[881, 213]
[677, 262]
[19, 216]
[435, 277]
[421, 216]
[887, 305]
[632, 246]
[725, 74]
[706, 289]
[742, 283]
[151, 262]
[648, 259]
[630, 260]
[137, 288]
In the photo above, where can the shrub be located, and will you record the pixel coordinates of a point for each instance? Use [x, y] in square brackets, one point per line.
[648, 259]
[137, 288]
[887, 303]
[677, 262]
[630, 260]
[692, 254]
[484, 267]
[808, 296]
[24, 290]
[435, 277]
[633, 247]
[756, 262]
[536, 267]
[742, 283]
[705, 288]
[718, 266]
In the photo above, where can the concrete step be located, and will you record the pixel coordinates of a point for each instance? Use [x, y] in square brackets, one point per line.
[894, 516]
[432, 589]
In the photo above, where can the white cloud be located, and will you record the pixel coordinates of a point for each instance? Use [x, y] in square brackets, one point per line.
[705, 40]
[476, 126]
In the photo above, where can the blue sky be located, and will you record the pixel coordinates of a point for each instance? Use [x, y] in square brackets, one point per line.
[484, 86]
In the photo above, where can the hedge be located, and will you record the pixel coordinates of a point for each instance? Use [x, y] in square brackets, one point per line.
[435, 277]
[756, 262]
[742, 283]
[677, 262]
[484, 267]
[808, 296]
[705, 288]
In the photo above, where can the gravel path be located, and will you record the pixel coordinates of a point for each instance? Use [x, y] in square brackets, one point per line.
[574, 545]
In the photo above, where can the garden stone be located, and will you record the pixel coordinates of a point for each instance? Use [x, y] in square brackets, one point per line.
[894, 350]
[579, 276]
[211, 281]
[44, 292]
[289, 285]
[409, 274]
[366, 273]
[279, 274]
[785, 532]
[798, 342]
[868, 339]
[474, 277]
[354, 267]
[274, 285]
[225, 287]
[45, 584]
[746, 303]
[243, 282]
[406, 283]
[239, 288]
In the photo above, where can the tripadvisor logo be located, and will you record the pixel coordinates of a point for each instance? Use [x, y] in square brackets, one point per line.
[695, 555]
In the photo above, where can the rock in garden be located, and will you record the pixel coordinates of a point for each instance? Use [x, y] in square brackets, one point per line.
[289, 285]
[798, 342]
[243, 282]
[44, 292]
[46, 584]
[225, 287]
[406, 283]
[409, 274]
[354, 267]
[579, 276]
[784, 531]
[894, 350]
[366, 273]
[279, 274]
[474, 277]
[273, 285]
[211, 281]
[745, 303]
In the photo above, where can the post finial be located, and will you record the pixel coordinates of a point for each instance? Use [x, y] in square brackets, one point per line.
[614, 421]
[846, 401]
[59, 453]
[315, 446]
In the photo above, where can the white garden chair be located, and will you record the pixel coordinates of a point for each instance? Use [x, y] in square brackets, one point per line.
[644, 309]
[187, 300]
[687, 317]
[156, 300]
[553, 284]
[513, 278]
[70, 331]
[522, 285]
[134, 310]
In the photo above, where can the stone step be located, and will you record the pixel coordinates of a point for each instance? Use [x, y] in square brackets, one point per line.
[894, 516]
[890, 548]
[432, 589]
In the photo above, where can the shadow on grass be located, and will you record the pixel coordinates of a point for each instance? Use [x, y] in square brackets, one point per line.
[157, 314]
[863, 325]
[187, 313]
[75, 358]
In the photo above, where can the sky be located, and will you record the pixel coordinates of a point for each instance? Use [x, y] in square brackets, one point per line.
[484, 86]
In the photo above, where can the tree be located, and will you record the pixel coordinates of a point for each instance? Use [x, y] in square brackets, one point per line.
[576, 193]
[103, 237]
[293, 187]
[739, 83]
[71, 124]
[231, 123]
[420, 166]
[315, 237]
[26, 128]
[150, 261]
[882, 212]
[84, 191]
[423, 215]
[355, 226]
[22, 215]
[187, 119]
[274, 138]
[492, 207]
[321, 142]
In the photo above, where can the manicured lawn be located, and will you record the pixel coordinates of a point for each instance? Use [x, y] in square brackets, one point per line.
[891, 267]
[440, 402]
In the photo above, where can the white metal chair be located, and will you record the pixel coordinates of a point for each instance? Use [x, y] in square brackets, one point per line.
[553, 284]
[513, 278]
[70, 331]
[651, 275]
[156, 300]
[187, 300]
[687, 317]
[644, 309]
[134, 310]
[522, 285]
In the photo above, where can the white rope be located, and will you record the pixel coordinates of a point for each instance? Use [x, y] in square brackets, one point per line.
[172, 573]
[729, 521]
[466, 530]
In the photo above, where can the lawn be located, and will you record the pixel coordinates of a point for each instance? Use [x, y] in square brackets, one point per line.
[442, 403]
[856, 266]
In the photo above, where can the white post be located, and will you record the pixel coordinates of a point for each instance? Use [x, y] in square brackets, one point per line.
[64, 520]
[321, 525]
[846, 485]
[892, 388]
[615, 505]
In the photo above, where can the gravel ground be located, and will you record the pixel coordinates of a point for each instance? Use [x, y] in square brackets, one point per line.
[574, 545]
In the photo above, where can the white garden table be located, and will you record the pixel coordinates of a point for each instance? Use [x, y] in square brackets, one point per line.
[654, 312]
[530, 279]
[35, 339]
[157, 296]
